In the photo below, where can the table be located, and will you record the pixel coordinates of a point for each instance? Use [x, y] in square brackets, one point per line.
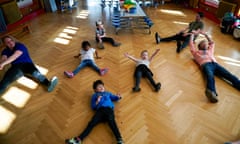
[137, 20]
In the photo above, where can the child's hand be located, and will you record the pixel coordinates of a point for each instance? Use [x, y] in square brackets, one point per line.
[77, 56]
[119, 95]
[195, 32]
[98, 99]
[186, 34]
[126, 55]
[98, 57]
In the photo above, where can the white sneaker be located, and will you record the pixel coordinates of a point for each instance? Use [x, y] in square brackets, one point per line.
[52, 84]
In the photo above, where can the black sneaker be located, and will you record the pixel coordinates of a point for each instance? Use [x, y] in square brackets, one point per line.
[212, 96]
[120, 141]
[136, 89]
[116, 44]
[237, 86]
[179, 47]
[52, 84]
[158, 87]
[157, 38]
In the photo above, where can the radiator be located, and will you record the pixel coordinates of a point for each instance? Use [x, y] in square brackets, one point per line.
[224, 7]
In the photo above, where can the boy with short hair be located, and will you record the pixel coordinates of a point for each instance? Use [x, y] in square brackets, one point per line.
[102, 102]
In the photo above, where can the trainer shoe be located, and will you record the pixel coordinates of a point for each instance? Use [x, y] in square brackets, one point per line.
[158, 87]
[68, 74]
[157, 38]
[103, 71]
[73, 141]
[136, 89]
[116, 44]
[237, 86]
[179, 47]
[100, 45]
[120, 141]
[212, 96]
[52, 84]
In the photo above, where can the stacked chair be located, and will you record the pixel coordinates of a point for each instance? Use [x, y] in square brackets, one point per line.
[129, 23]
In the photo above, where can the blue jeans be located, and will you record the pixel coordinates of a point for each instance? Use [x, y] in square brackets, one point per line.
[85, 63]
[18, 70]
[212, 68]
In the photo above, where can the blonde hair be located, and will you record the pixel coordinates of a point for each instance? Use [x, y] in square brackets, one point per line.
[143, 52]
[10, 37]
[200, 43]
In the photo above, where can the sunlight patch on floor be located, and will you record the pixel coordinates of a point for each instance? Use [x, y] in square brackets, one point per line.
[66, 35]
[43, 70]
[230, 61]
[83, 14]
[180, 23]
[7, 118]
[173, 12]
[27, 82]
[16, 97]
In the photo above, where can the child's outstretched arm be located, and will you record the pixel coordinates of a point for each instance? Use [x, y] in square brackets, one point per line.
[157, 50]
[115, 97]
[211, 44]
[77, 56]
[210, 41]
[96, 53]
[191, 43]
[130, 57]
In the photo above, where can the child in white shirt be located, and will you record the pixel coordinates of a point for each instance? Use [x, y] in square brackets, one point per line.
[87, 59]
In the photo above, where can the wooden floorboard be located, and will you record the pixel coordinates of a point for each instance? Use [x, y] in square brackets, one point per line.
[178, 114]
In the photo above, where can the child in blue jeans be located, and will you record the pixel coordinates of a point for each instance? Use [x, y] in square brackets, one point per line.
[87, 59]
[102, 103]
[143, 70]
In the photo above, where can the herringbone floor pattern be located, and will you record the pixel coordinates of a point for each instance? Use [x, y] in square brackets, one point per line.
[178, 114]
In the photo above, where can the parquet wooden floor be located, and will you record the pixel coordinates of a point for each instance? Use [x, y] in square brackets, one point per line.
[178, 114]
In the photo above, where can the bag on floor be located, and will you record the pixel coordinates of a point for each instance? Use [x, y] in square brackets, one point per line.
[227, 23]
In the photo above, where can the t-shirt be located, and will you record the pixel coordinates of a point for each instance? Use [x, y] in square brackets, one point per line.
[87, 55]
[195, 25]
[100, 32]
[144, 62]
[24, 58]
